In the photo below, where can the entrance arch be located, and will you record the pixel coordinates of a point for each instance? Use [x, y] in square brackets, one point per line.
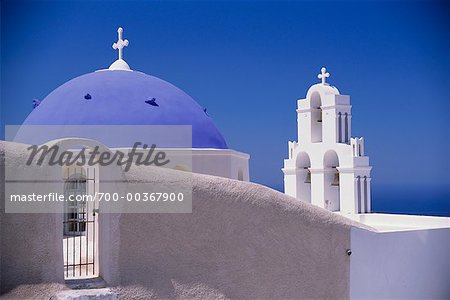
[85, 230]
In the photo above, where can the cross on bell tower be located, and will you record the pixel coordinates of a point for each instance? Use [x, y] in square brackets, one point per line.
[324, 75]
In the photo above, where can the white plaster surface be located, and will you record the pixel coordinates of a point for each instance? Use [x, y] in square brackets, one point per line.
[412, 264]
[397, 222]
[35, 291]
[242, 240]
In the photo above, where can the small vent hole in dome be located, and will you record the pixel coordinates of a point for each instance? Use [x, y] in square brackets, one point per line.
[87, 97]
[152, 102]
[36, 103]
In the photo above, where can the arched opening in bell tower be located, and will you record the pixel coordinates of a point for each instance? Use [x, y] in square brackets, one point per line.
[240, 176]
[332, 181]
[303, 164]
[316, 118]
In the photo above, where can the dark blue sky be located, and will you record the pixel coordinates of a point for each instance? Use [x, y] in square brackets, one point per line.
[248, 62]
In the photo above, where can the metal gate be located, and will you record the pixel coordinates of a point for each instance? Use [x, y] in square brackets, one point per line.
[80, 240]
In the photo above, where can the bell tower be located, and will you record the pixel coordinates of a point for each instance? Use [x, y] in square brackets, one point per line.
[327, 167]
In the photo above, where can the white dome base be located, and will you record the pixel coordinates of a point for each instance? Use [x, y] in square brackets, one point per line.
[119, 64]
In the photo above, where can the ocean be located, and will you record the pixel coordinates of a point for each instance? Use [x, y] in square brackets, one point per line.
[412, 200]
[431, 201]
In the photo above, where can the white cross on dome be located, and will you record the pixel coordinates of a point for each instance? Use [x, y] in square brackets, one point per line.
[120, 44]
[120, 64]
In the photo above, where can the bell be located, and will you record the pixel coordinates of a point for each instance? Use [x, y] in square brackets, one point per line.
[336, 179]
[320, 114]
[308, 177]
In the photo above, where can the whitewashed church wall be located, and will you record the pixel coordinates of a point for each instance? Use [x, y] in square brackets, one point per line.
[400, 265]
[240, 168]
[31, 249]
[30, 244]
[212, 165]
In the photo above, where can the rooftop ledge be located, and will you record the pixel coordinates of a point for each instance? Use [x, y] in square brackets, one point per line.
[400, 222]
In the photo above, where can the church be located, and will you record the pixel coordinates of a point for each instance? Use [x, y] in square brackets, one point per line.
[230, 238]
[121, 96]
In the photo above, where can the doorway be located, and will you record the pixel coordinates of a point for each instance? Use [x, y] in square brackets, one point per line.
[80, 226]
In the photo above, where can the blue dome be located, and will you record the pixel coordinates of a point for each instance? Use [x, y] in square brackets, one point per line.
[125, 98]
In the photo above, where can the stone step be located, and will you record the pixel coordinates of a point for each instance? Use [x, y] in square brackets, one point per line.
[88, 283]
[87, 294]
